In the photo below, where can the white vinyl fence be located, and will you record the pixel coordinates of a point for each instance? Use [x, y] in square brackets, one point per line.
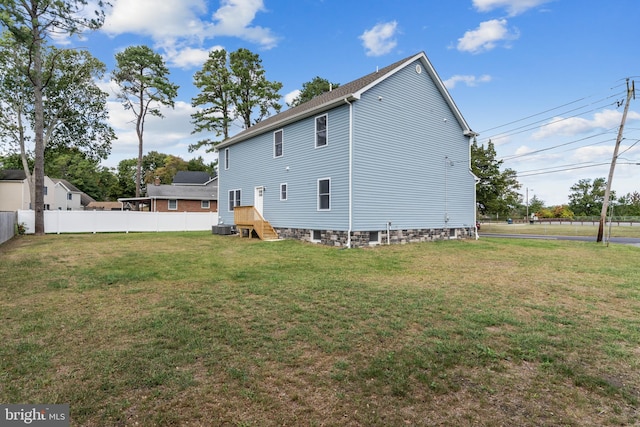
[58, 221]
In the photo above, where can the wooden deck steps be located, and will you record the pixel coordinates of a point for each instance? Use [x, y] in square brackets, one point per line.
[248, 218]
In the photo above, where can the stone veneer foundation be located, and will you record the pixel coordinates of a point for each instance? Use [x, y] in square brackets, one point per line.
[360, 239]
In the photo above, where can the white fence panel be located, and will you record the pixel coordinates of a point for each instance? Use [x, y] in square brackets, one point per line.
[118, 221]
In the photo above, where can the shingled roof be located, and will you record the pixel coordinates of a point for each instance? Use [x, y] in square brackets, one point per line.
[12, 175]
[351, 92]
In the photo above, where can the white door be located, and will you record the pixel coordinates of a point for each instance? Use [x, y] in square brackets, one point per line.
[258, 195]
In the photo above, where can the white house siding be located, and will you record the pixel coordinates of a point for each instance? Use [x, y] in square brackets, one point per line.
[403, 130]
[12, 196]
[252, 164]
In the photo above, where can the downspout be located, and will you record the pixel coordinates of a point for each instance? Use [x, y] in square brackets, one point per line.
[350, 171]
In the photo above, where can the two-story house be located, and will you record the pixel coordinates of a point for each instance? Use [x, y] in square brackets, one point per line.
[59, 194]
[382, 159]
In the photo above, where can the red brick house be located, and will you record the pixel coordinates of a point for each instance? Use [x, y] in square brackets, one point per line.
[189, 192]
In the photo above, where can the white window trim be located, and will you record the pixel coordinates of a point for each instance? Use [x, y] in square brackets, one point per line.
[375, 242]
[318, 194]
[169, 204]
[234, 198]
[202, 204]
[315, 127]
[226, 159]
[281, 131]
[286, 192]
[312, 239]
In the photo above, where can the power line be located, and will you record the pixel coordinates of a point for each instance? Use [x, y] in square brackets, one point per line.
[529, 153]
[561, 170]
[532, 126]
[533, 115]
[508, 132]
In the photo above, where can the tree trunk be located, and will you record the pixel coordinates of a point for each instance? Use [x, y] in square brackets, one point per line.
[38, 168]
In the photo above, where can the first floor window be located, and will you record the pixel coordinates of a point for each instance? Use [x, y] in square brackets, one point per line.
[204, 204]
[324, 194]
[234, 199]
[283, 191]
[173, 205]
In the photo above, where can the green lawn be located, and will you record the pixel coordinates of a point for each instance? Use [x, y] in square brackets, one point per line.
[197, 329]
[565, 229]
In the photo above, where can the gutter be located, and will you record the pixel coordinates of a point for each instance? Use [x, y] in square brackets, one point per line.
[350, 171]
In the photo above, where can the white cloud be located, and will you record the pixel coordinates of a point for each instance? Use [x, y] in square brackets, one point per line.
[380, 39]
[159, 20]
[289, 97]
[513, 7]
[188, 57]
[607, 119]
[596, 154]
[470, 81]
[486, 36]
[176, 24]
[234, 18]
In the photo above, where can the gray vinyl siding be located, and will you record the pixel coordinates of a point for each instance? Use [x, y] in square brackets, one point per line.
[400, 144]
[252, 164]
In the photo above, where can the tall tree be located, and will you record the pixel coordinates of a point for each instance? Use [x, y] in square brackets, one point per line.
[144, 85]
[232, 86]
[586, 197]
[126, 176]
[216, 99]
[497, 191]
[311, 89]
[32, 22]
[255, 96]
[629, 204]
[75, 114]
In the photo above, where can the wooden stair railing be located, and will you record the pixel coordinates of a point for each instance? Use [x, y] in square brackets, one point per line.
[248, 218]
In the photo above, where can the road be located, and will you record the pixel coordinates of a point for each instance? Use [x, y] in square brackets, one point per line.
[634, 241]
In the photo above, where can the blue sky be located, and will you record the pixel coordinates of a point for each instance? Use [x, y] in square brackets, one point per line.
[543, 79]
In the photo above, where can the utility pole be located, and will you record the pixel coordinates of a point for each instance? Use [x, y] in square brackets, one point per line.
[607, 193]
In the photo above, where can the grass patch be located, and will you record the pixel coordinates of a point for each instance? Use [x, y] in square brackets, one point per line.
[202, 329]
[587, 228]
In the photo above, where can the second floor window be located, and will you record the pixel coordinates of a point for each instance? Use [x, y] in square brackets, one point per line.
[226, 158]
[321, 131]
[277, 144]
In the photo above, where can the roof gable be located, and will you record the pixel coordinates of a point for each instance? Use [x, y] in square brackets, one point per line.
[351, 91]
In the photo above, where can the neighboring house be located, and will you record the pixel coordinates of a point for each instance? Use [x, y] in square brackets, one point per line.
[14, 190]
[384, 158]
[58, 193]
[190, 192]
[105, 206]
[68, 197]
